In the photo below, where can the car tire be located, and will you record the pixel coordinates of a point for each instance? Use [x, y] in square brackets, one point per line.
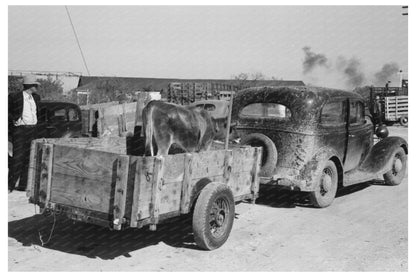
[326, 186]
[404, 120]
[269, 153]
[213, 216]
[398, 168]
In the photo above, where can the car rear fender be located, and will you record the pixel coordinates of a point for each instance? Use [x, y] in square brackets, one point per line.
[378, 158]
[311, 172]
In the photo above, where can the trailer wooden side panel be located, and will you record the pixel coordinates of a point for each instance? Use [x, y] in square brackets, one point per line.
[85, 178]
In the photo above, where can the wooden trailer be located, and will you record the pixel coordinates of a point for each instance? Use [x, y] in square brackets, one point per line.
[98, 181]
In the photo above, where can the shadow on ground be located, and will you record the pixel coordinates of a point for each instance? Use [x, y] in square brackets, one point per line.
[97, 242]
[278, 197]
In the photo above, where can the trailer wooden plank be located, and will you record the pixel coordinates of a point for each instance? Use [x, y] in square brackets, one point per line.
[209, 163]
[243, 159]
[228, 168]
[34, 171]
[120, 191]
[174, 172]
[170, 197]
[46, 173]
[138, 182]
[88, 173]
[255, 172]
[145, 189]
[108, 144]
[96, 195]
[156, 191]
[186, 182]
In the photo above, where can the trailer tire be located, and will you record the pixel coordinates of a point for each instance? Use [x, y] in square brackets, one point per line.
[404, 120]
[398, 168]
[269, 153]
[213, 216]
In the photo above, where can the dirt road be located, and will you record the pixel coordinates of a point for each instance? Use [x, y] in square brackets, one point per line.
[365, 229]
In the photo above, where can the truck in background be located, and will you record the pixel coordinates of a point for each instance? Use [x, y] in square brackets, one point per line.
[390, 105]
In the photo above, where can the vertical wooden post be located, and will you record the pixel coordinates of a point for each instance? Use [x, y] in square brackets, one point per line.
[187, 176]
[228, 161]
[397, 108]
[32, 171]
[255, 173]
[46, 173]
[230, 108]
[138, 183]
[120, 191]
[100, 124]
[91, 119]
[157, 184]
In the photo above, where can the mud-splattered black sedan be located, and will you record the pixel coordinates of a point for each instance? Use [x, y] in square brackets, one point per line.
[316, 140]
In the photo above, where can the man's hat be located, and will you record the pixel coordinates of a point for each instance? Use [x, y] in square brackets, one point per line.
[30, 80]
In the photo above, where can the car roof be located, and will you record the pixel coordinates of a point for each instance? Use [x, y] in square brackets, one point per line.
[291, 93]
[305, 100]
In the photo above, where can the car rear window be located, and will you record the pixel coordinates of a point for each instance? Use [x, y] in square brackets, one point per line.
[58, 116]
[266, 110]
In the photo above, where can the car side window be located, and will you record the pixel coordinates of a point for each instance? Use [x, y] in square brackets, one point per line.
[58, 116]
[357, 115]
[333, 114]
[268, 110]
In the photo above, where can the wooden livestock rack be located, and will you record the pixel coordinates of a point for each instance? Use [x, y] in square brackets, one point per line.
[108, 118]
[389, 104]
[396, 109]
[188, 92]
[98, 181]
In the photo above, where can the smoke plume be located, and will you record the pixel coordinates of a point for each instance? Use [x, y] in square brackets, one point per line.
[386, 73]
[351, 70]
[313, 60]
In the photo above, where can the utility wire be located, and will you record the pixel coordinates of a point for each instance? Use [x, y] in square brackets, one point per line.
[76, 37]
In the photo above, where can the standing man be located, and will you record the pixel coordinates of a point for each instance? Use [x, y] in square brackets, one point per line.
[23, 117]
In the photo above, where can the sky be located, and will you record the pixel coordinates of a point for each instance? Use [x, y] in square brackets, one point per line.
[334, 46]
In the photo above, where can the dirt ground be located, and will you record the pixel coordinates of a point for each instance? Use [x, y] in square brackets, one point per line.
[365, 229]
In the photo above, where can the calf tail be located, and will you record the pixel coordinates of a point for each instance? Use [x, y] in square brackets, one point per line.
[148, 127]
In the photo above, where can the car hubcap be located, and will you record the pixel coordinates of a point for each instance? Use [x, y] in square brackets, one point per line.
[397, 166]
[326, 182]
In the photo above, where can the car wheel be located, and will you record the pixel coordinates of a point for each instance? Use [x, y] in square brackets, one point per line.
[403, 120]
[398, 168]
[213, 216]
[326, 187]
[269, 153]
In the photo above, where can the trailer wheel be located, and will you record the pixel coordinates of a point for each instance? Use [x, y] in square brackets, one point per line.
[326, 187]
[269, 153]
[404, 120]
[398, 168]
[213, 216]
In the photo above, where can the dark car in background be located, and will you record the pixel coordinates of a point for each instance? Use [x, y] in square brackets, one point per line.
[56, 120]
[316, 140]
[59, 119]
